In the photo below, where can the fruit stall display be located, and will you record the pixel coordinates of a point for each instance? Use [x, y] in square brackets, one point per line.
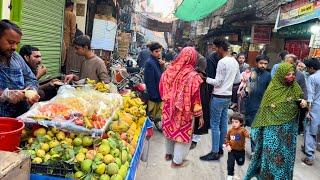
[83, 109]
[74, 153]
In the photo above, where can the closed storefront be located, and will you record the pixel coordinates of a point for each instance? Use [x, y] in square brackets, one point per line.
[42, 24]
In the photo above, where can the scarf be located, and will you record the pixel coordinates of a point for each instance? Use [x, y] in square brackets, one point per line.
[179, 83]
[279, 104]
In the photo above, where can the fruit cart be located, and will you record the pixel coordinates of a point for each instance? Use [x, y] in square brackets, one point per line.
[146, 132]
[86, 133]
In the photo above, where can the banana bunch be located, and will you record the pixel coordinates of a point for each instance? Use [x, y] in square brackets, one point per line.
[90, 82]
[102, 87]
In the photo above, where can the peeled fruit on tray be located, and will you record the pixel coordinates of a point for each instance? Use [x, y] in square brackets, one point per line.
[112, 168]
[90, 154]
[100, 168]
[40, 132]
[104, 177]
[40, 153]
[61, 135]
[86, 165]
[116, 177]
[104, 149]
[45, 147]
[80, 157]
[78, 174]
[87, 141]
[77, 141]
[37, 160]
[30, 94]
[108, 159]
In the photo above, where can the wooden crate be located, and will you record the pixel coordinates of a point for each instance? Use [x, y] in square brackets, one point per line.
[14, 166]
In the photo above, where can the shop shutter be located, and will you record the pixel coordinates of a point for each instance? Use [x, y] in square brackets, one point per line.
[42, 27]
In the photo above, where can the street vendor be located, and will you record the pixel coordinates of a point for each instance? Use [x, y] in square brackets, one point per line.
[15, 75]
[33, 59]
[93, 67]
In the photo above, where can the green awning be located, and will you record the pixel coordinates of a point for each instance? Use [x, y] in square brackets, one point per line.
[193, 10]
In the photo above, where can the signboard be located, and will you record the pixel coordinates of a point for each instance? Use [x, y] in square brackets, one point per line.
[103, 34]
[296, 31]
[315, 41]
[296, 12]
[260, 34]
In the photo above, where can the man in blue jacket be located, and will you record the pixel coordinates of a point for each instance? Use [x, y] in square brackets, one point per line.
[257, 85]
[152, 75]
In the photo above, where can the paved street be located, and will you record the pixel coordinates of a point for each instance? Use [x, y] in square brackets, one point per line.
[158, 169]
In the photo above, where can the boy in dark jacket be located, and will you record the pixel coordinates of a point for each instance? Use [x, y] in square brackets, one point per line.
[152, 75]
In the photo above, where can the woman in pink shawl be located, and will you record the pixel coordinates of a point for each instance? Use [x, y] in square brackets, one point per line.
[180, 92]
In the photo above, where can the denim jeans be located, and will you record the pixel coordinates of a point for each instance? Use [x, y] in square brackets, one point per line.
[218, 121]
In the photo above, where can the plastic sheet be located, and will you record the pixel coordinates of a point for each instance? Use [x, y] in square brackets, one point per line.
[72, 107]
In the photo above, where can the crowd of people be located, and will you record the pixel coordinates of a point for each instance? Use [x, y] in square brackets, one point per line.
[194, 94]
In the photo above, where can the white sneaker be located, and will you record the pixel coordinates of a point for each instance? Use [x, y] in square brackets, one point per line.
[230, 178]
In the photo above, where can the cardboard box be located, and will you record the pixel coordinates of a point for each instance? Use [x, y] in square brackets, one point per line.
[14, 166]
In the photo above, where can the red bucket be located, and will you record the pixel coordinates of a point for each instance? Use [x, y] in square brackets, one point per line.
[10, 133]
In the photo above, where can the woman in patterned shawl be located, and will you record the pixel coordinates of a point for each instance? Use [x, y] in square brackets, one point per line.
[275, 127]
[180, 92]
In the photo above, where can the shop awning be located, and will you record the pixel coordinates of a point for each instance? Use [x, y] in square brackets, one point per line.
[193, 10]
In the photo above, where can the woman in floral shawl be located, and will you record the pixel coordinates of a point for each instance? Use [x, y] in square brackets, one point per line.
[275, 127]
[180, 92]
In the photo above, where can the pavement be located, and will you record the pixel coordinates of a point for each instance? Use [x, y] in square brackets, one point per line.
[156, 168]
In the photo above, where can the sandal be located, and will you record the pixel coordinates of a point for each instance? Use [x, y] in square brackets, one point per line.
[307, 161]
[183, 164]
[168, 157]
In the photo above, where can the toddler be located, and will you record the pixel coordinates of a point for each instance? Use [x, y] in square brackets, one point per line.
[235, 143]
[245, 75]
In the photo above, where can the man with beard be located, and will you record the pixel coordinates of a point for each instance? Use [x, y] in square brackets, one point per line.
[257, 85]
[33, 59]
[15, 75]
